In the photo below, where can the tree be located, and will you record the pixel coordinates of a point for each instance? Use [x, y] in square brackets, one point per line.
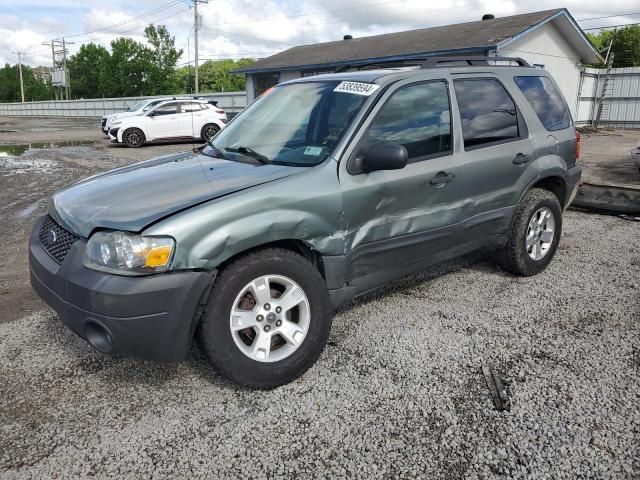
[625, 46]
[128, 69]
[86, 69]
[162, 57]
[216, 76]
[37, 84]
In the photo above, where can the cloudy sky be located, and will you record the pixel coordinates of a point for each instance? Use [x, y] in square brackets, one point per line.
[257, 28]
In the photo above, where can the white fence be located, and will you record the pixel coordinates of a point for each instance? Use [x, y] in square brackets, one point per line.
[231, 102]
[621, 107]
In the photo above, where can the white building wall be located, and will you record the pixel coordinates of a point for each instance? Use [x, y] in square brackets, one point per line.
[290, 75]
[249, 88]
[546, 46]
[284, 77]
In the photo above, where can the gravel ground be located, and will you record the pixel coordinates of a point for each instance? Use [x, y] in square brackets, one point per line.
[397, 393]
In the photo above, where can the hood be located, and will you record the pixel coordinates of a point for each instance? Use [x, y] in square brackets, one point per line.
[118, 116]
[132, 197]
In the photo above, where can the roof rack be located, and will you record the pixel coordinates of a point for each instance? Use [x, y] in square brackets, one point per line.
[432, 62]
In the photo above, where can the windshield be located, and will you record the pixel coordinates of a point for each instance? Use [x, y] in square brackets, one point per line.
[297, 124]
[150, 105]
[136, 106]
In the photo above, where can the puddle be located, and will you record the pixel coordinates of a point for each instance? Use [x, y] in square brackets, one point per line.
[19, 149]
[16, 165]
[27, 211]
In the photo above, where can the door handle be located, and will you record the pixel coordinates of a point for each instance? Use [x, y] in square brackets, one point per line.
[521, 159]
[442, 178]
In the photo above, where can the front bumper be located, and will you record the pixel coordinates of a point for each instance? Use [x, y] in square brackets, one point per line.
[113, 134]
[151, 317]
[572, 181]
[635, 156]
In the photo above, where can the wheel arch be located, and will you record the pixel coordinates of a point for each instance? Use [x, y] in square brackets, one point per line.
[122, 131]
[300, 247]
[554, 184]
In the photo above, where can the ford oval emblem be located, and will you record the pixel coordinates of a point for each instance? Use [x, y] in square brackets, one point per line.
[51, 237]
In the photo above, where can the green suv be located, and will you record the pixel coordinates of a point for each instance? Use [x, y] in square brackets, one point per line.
[321, 190]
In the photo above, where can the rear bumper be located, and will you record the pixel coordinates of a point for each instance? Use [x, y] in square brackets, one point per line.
[572, 181]
[151, 317]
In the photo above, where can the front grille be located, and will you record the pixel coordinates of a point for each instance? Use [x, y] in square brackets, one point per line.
[103, 122]
[55, 239]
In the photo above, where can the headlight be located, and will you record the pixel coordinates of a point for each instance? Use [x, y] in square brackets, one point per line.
[115, 123]
[127, 253]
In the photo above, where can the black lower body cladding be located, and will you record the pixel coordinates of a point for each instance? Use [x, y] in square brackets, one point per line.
[150, 317]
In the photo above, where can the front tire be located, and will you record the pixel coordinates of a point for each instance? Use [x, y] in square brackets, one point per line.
[133, 137]
[534, 235]
[267, 319]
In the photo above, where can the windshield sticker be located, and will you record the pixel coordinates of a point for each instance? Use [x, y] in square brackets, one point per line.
[315, 151]
[357, 88]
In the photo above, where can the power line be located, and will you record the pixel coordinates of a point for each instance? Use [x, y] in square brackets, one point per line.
[133, 19]
[608, 16]
[233, 34]
[280, 17]
[138, 17]
[611, 26]
[140, 26]
[275, 17]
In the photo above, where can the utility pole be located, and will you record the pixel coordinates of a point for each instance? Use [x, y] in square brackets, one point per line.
[20, 70]
[59, 72]
[197, 23]
[53, 62]
[66, 71]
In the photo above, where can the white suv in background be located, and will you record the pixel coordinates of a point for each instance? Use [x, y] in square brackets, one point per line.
[137, 109]
[170, 120]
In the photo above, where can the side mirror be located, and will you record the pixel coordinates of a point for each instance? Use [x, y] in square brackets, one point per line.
[383, 156]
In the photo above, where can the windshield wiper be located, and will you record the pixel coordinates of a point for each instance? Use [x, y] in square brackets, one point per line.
[249, 152]
[216, 151]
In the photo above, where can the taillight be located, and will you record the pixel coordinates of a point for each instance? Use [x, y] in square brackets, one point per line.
[219, 111]
[577, 145]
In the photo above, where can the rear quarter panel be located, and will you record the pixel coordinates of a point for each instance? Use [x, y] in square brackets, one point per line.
[556, 149]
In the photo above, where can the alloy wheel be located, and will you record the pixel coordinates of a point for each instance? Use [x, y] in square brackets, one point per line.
[209, 131]
[540, 233]
[134, 137]
[270, 318]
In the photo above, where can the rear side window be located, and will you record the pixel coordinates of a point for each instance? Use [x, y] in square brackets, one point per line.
[546, 101]
[187, 107]
[487, 112]
[417, 117]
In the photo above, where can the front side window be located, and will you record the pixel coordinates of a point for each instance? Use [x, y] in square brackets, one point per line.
[416, 117]
[546, 100]
[487, 112]
[168, 109]
[297, 124]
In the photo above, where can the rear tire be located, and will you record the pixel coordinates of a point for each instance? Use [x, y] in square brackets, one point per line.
[289, 315]
[133, 137]
[209, 131]
[534, 235]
